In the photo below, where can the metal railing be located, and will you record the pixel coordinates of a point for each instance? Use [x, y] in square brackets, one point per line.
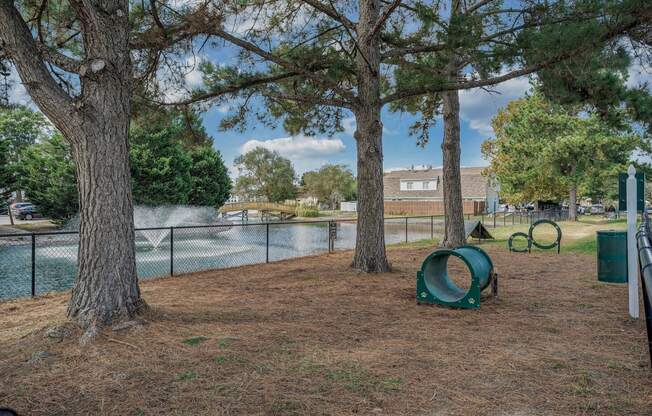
[644, 243]
[36, 263]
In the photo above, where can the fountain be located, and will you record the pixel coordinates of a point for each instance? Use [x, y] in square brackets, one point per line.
[163, 217]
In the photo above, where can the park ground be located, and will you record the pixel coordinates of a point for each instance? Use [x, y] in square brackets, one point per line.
[313, 337]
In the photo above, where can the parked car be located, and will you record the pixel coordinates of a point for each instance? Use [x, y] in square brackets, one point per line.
[596, 209]
[581, 210]
[4, 210]
[17, 205]
[28, 212]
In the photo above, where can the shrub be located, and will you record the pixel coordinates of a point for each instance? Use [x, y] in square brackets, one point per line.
[307, 211]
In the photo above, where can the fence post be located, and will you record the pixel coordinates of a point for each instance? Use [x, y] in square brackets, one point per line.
[171, 251]
[406, 229]
[33, 264]
[495, 218]
[267, 243]
[432, 227]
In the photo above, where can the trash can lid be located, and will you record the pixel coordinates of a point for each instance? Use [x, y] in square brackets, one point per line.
[612, 232]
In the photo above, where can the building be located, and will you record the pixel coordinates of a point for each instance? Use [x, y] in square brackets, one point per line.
[419, 191]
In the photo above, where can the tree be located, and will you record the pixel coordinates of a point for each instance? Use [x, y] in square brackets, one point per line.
[21, 127]
[162, 171]
[211, 184]
[7, 177]
[160, 168]
[545, 151]
[264, 173]
[75, 60]
[47, 174]
[485, 43]
[331, 184]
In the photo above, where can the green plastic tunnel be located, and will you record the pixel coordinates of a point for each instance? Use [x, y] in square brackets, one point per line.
[439, 286]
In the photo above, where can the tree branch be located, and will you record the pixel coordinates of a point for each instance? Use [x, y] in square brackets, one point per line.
[289, 66]
[429, 89]
[386, 15]
[332, 13]
[231, 89]
[16, 39]
[64, 62]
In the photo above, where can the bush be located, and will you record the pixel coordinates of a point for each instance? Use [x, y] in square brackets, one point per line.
[307, 211]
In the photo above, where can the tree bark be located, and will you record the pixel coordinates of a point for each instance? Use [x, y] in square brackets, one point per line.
[454, 235]
[370, 255]
[572, 203]
[106, 287]
[96, 125]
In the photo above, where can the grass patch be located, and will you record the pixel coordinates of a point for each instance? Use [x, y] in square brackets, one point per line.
[186, 376]
[194, 340]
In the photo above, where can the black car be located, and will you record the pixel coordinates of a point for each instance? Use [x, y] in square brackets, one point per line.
[27, 212]
[4, 211]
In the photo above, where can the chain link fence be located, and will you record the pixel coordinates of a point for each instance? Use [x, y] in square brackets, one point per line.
[36, 263]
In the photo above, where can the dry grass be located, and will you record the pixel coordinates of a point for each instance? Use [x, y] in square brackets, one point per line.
[312, 337]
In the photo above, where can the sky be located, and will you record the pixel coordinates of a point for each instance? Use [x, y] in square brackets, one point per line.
[477, 108]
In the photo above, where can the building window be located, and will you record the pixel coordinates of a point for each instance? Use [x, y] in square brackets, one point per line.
[409, 186]
[418, 185]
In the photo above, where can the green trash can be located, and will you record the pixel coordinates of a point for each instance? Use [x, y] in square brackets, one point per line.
[612, 256]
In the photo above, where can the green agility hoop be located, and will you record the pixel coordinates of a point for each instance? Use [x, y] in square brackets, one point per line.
[510, 243]
[556, 243]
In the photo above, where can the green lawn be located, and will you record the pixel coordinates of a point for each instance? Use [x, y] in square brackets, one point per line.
[577, 237]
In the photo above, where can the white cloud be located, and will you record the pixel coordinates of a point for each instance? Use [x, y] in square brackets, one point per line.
[478, 107]
[298, 147]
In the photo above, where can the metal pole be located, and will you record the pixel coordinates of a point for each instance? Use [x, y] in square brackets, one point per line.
[494, 218]
[432, 227]
[406, 229]
[632, 276]
[267, 243]
[171, 251]
[33, 264]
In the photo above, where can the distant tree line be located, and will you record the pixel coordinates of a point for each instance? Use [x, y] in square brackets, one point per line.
[266, 174]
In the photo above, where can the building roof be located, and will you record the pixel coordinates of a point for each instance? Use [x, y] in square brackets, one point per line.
[474, 184]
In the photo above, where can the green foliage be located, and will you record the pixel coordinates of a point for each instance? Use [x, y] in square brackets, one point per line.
[542, 150]
[304, 210]
[7, 177]
[211, 184]
[264, 173]
[163, 171]
[22, 127]
[160, 169]
[331, 184]
[47, 174]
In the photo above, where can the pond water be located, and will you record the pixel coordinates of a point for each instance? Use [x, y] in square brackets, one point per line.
[194, 249]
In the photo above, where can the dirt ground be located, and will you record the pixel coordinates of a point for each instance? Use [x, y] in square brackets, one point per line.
[312, 337]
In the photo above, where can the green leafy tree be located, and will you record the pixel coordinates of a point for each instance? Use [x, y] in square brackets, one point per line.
[211, 184]
[47, 174]
[267, 174]
[546, 151]
[331, 184]
[7, 177]
[160, 168]
[21, 127]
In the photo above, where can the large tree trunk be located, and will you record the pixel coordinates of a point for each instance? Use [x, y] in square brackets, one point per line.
[106, 286]
[370, 253]
[454, 235]
[572, 203]
[96, 124]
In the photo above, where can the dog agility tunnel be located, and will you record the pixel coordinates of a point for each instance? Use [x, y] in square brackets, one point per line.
[435, 286]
